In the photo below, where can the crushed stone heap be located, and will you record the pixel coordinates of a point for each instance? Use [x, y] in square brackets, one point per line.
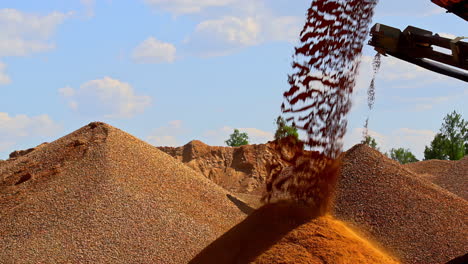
[100, 195]
[448, 174]
[418, 221]
[289, 233]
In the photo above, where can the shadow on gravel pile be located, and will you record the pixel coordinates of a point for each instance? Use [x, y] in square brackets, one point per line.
[286, 232]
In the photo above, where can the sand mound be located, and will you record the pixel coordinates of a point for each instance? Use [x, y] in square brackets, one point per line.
[100, 195]
[417, 221]
[290, 234]
[451, 175]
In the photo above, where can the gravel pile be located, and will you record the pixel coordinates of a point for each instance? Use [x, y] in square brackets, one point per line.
[451, 175]
[289, 233]
[429, 169]
[100, 195]
[417, 221]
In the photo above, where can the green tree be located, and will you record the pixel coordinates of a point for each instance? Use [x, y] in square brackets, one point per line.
[452, 141]
[402, 155]
[454, 129]
[237, 139]
[437, 149]
[283, 130]
[370, 141]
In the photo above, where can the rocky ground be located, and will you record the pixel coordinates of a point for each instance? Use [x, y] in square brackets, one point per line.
[101, 195]
[416, 220]
[384, 199]
[450, 175]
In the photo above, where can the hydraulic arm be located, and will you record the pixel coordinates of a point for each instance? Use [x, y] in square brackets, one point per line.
[416, 46]
[423, 48]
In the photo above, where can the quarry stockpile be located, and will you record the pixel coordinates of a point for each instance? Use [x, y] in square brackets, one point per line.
[100, 195]
[290, 233]
[448, 174]
[403, 211]
[416, 220]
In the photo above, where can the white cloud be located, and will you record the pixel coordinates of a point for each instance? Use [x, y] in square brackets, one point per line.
[89, 6]
[413, 139]
[233, 25]
[218, 37]
[186, 6]
[108, 97]
[232, 30]
[427, 103]
[67, 91]
[167, 135]
[257, 136]
[282, 28]
[219, 136]
[22, 33]
[222, 36]
[154, 51]
[15, 128]
[4, 78]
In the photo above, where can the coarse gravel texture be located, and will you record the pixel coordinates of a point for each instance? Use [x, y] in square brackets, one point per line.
[320, 241]
[100, 195]
[416, 220]
[448, 174]
[291, 233]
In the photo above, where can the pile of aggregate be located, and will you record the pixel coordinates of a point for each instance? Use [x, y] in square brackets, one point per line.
[100, 195]
[416, 220]
[291, 233]
[450, 175]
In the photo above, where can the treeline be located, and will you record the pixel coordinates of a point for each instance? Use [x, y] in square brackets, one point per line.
[450, 143]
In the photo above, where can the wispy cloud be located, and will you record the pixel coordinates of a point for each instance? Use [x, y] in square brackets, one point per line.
[234, 25]
[105, 97]
[4, 78]
[423, 103]
[16, 128]
[223, 36]
[154, 51]
[167, 135]
[89, 7]
[23, 33]
[186, 6]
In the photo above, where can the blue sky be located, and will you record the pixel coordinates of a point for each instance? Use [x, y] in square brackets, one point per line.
[169, 71]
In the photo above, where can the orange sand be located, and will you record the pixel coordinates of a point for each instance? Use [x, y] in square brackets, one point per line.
[290, 233]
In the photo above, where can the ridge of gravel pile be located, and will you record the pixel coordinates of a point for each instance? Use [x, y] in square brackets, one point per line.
[429, 168]
[290, 233]
[448, 174]
[417, 221]
[100, 195]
